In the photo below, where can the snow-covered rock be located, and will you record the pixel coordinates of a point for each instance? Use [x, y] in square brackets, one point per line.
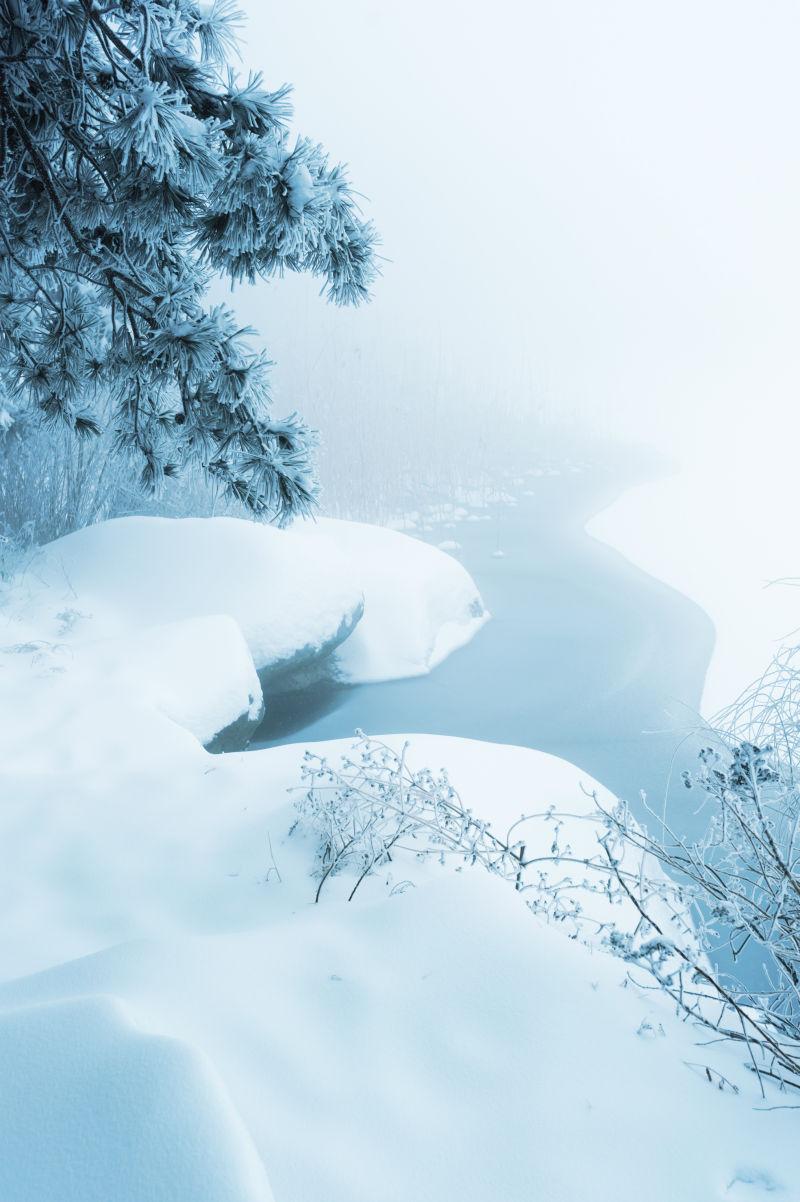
[291, 603]
[198, 672]
[152, 694]
[420, 604]
[401, 605]
[154, 619]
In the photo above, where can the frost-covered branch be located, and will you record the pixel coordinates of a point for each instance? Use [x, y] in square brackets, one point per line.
[735, 887]
[133, 165]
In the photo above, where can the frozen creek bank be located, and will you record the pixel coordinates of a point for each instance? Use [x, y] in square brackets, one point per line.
[586, 656]
[189, 619]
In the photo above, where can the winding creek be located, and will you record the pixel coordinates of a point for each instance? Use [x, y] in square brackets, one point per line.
[585, 657]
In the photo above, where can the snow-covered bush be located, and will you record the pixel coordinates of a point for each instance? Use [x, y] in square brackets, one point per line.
[742, 879]
[135, 166]
[741, 882]
[374, 804]
[743, 876]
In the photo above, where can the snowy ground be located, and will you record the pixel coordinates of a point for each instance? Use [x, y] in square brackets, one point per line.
[178, 1020]
[192, 1016]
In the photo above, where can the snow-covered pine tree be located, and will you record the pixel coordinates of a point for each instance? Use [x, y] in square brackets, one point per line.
[134, 165]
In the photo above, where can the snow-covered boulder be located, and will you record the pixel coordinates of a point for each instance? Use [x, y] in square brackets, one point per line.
[420, 604]
[187, 619]
[393, 605]
[165, 688]
[199, 673]
[124, 575]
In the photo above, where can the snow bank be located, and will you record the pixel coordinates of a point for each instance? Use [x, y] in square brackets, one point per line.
[420, 604]
[123, 575]
[431, 1040]
[183, 847]
[721, 532]
[296, 594]
[154, 693]
[198, 672]
[144, 617]
[95, 1110]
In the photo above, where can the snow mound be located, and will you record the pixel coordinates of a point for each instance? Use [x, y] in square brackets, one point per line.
[163, 688]
[372, 1048]
[420, 604]
[198, 673]
[129, 573]
[117, 631]
[94, 1110]
[296, 594]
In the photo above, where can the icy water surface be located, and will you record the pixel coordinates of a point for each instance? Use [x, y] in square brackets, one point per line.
[585, 656]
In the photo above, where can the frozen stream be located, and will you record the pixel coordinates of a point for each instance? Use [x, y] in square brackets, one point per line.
[585, 657]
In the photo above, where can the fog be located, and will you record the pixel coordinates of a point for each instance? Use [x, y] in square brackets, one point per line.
[589, 212]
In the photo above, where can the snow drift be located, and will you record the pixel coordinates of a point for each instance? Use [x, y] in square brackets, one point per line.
[420, 604]
[184, 617]
[129, 573]
[94, 1109]
[297, 594]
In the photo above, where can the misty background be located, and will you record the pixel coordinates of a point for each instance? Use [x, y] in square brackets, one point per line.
[589, 217]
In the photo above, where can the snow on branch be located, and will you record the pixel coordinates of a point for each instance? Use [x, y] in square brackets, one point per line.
[133, 165]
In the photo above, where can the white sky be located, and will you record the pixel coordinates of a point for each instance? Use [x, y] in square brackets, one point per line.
[590, 204]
